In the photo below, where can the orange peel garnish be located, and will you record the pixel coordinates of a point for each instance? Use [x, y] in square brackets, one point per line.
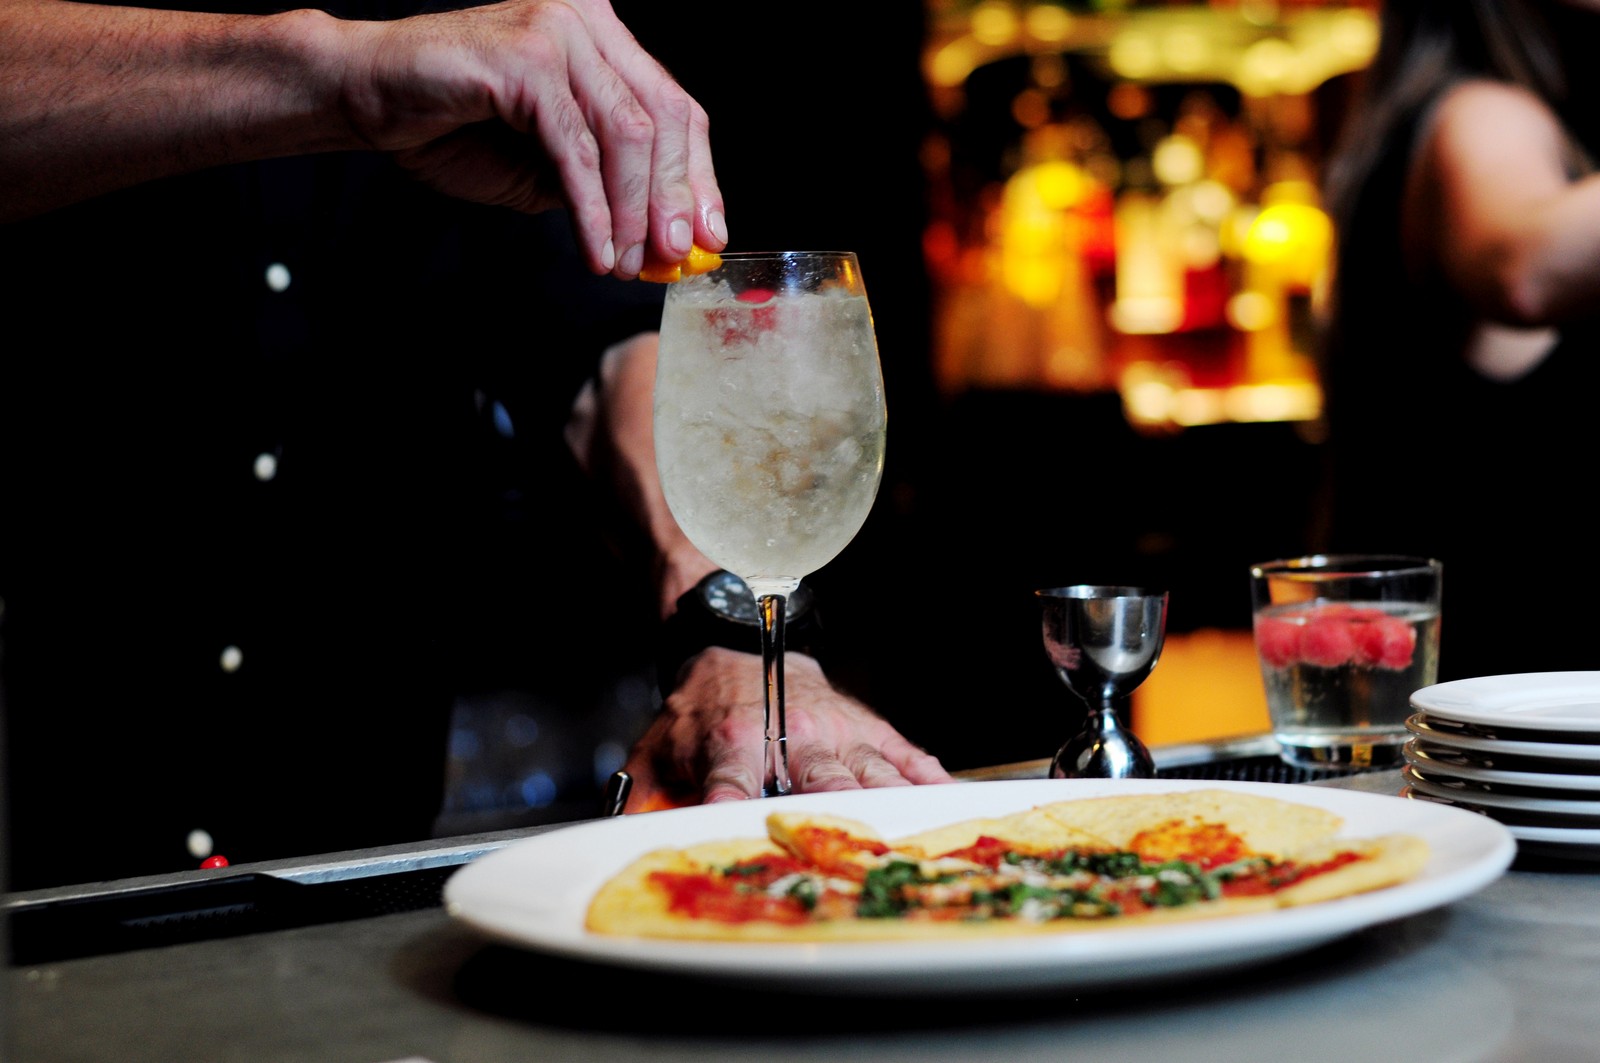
[699, 260]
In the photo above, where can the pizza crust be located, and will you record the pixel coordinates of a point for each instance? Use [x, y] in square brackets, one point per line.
[1390, 860]
[628, 905]
[1269, 826]
[1035, 829]
[797, 833]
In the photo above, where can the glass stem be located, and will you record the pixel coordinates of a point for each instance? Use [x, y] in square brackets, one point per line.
[775, 751]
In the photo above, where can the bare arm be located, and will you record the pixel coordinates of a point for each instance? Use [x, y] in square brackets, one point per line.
[95, 98]
[1507, 226]
[611, 434]
[529, 104]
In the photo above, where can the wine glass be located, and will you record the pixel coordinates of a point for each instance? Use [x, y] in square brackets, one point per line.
[769, 431]
[1104, 641]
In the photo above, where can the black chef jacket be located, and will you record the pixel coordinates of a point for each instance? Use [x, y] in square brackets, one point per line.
[281, 476]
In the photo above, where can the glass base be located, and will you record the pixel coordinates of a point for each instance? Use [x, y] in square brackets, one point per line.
[1343, 752]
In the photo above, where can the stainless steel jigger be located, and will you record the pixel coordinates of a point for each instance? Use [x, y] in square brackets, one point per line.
[1103, 642]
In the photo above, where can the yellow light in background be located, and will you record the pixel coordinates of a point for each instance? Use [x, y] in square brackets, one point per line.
[951, 64]
[1148, 392]
[1293, 238]
[1283, 401]
[1343, 41]
[1262, 50]
[1197, 247]
[1149, 315]
[1195, 235]
[1033, 230]
[1034, 280]
[1235, 227]
[1059, 185]
[1354, 34]
[1149, 282]
[1048, 23]
[1177, 160]
[1133, 55]
[1211, 201]
[1154, 401]
[1194, 211]
[1271, 235]
[1289, 191]
[1259, 12]
[1185, 51]
[993, 23]
[1196, 406]
[1267, 67]
[1252, 311]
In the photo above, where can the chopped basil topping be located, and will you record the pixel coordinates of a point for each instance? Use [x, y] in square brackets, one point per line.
[1042, 902]
[804, 890]
[883, 893]
[1228, 872]
[1034, 887]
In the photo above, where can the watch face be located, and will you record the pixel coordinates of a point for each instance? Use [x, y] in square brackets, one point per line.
[726, 595]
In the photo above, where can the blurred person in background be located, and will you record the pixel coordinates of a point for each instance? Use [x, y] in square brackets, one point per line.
[1462, 353]
[283, 469]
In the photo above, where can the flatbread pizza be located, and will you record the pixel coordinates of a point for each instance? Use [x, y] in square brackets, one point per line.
[1078, 865]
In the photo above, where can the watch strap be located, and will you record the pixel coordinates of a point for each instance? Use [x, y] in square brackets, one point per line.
[720, 611]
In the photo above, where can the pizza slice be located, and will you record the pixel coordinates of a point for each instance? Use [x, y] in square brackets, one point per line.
[1212, 824]
[831, 844]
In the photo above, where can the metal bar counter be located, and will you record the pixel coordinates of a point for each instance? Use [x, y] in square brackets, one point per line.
[1509, 973]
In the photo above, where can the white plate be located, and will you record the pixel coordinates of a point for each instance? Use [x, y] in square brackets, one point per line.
[1565, 842]
[1418, 754]
[1473, 794]
[534, 893]
[1575, 842]
[1422, 726]
[1566, 702]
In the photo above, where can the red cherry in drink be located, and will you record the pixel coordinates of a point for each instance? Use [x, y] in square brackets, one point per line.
[1277, 640]
[1387, 641]
[1328, 641]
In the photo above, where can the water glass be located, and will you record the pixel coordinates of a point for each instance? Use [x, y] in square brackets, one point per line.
[1344, 640]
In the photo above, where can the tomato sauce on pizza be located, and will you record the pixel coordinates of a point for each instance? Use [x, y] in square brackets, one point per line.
[989, 879]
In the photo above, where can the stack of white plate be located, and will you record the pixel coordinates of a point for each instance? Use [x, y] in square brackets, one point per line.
[1523, 749]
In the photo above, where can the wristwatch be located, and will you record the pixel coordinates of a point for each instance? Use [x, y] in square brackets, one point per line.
[721, 611]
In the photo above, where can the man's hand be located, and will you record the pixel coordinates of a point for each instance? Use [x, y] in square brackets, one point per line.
[538, 103]
[707, 743]
[528, 104]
